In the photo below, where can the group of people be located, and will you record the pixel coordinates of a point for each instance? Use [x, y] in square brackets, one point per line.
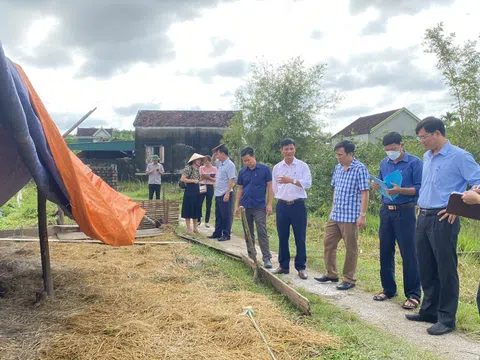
[413, 215]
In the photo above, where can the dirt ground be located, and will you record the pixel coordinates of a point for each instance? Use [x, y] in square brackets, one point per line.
[139, 302]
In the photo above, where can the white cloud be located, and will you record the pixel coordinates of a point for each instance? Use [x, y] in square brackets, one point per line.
[197, 58]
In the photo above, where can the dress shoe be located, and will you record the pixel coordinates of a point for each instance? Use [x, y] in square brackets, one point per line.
[280, 270]
[213, 236]
[325, 278]
[224, 238]
[268, 264]
[345, 286]
[422, 318]
[439, 329]
[302, 274]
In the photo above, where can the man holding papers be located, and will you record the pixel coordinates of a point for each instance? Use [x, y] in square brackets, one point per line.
[446, 168]
[397, 219]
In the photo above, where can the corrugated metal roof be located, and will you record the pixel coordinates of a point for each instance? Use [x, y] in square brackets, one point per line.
[103, 146]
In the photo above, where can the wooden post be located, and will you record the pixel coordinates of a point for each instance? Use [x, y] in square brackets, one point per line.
[44, 251]
[252, 251]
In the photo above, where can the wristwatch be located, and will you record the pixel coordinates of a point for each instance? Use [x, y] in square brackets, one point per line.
[294, 181]
[363, 214]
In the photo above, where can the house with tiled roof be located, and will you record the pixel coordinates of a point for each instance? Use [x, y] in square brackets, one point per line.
[175, 135]
[93, 134]
[371, 128]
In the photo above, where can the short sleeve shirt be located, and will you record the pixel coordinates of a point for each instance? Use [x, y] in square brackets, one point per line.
[254, 183]
[349, 185]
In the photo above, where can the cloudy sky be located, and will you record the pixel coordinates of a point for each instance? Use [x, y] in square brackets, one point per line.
[122, 56]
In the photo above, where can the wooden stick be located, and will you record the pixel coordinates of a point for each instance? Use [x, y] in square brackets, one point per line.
[43, 237]
[252, 251]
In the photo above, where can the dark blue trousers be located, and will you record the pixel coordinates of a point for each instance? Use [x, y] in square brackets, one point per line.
[399, 226]
[437, 249]
[294, 215]
[223, 217]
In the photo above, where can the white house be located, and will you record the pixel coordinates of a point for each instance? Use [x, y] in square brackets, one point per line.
[93, 134]
[371, 128]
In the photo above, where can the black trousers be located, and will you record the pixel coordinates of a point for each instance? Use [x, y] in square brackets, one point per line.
[223, 216]
[398, 226]
[154, 188]
[209, 196]
[294, 215]
[437, 260]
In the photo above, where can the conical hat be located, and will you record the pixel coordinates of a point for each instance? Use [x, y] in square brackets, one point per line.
[196, 156]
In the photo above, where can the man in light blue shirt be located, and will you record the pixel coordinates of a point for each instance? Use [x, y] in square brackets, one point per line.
[225, 181]
[446, 168]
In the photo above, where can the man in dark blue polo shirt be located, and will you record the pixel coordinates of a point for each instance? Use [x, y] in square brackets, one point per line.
[397, 221]
[254, 181]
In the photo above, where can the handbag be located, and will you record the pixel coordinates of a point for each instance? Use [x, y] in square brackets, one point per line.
[181, 185]
[203, 188]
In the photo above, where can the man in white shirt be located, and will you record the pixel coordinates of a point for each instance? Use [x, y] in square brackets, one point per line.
[290, 178]
[154, 172]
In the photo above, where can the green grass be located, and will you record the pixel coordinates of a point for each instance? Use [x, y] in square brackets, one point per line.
[358, 339]
[139, 190]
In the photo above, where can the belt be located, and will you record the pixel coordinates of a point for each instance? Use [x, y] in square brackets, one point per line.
[291, 202]
[400, 206]
[429, 212]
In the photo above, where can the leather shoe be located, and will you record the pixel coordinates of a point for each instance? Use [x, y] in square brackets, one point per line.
[280, 270]
[422, 318]
[213, 236]
[345, 286]
[439, 329]
[268, 264]
[325, 278]
[302, 274]
[224, 238]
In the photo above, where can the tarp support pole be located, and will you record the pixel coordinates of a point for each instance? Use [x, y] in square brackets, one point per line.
[44, 251]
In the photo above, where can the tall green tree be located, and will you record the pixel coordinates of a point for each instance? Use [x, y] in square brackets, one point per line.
[460, 67]
[278, 102]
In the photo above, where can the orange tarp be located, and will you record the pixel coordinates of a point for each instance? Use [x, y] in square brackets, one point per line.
[101, 212]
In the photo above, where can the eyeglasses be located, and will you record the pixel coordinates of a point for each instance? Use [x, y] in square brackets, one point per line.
[421, 138]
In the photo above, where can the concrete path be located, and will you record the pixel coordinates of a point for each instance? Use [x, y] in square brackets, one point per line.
[385, 315]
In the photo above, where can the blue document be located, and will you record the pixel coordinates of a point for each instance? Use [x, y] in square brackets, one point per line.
[383, 187]
[394, 177]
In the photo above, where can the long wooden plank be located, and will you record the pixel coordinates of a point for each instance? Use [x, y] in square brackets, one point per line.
[141, 233]
[93, 241]
[300, 301]
[293, 295]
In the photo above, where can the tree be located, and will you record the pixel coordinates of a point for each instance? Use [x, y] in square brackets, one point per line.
[460, 66]
[279, 102]
[124, 135]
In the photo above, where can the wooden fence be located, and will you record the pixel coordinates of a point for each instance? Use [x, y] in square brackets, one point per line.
[168, 211]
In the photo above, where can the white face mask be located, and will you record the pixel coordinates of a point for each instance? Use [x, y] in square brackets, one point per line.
[393, 155]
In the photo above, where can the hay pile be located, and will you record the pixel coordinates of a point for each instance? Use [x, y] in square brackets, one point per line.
[151, 302]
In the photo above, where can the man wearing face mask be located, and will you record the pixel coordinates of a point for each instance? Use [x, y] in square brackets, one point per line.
[397, 221]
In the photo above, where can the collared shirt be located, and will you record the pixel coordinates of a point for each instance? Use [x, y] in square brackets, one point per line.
[448, 171]
[254, 183]
[411, 169]
[296, 170]
[349, 185]
[155, 177]
[226, 172]
[212, 170]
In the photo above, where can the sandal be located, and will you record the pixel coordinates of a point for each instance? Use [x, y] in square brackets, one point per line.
[411, 303]
[382, 296]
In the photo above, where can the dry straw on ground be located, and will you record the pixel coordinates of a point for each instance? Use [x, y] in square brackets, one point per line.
[150, 302]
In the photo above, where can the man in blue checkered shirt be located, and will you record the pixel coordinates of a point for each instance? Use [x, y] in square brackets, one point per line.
[350, 200]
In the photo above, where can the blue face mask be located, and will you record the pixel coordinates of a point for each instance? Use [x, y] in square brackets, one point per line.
[393, 155]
